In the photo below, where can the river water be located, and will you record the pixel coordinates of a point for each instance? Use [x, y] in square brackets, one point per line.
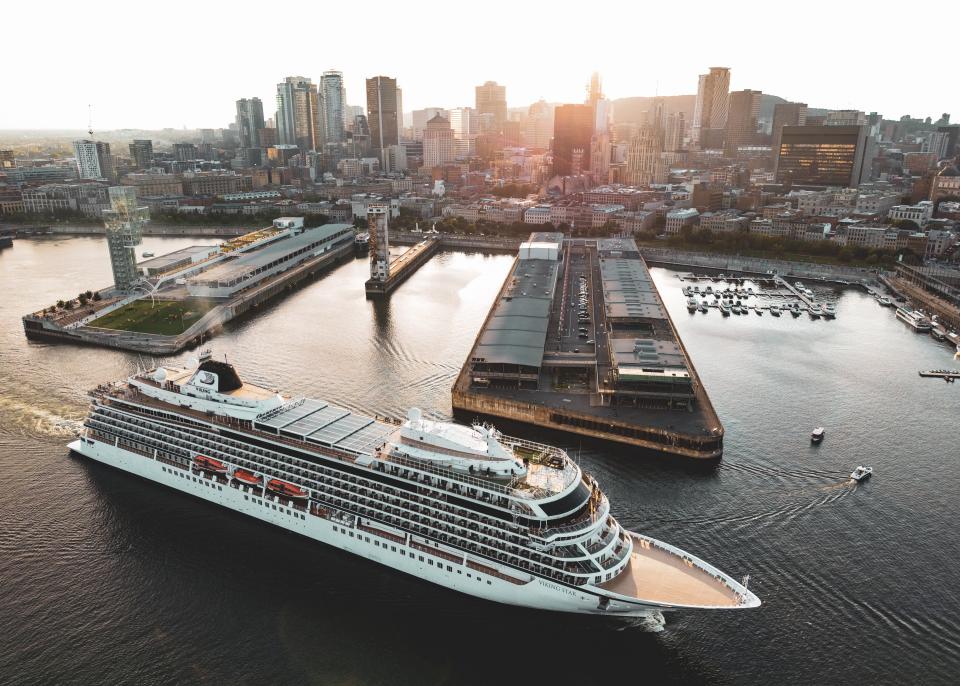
[105, 578]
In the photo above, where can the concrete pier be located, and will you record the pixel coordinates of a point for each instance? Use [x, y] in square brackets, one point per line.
[578, 340]
[402, 267]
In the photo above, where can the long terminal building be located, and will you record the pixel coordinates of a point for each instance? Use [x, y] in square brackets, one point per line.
[579, 340]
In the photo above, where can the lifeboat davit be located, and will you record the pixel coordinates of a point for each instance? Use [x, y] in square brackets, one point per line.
[282, 488]
[208, 464]
[248, 478]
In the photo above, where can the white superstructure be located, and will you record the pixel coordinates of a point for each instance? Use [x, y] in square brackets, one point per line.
[464, 507]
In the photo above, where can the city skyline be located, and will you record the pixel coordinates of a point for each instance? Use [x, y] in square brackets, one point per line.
[759, 63]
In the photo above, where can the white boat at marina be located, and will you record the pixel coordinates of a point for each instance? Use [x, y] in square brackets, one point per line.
[884, 301]
[775, 310]
[725, 308]
[861, 473]
[915, 319]
[830, 310]
[816, 310]
[692, 304]
[704, 307]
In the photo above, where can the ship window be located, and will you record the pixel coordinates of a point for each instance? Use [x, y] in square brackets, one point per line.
[430, 562]
[246, 497]
[351, 534]
[459, 571]
[421, 558]
[393, 548]
[449, 568]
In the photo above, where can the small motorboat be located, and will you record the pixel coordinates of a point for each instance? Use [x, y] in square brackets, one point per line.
[758, 310]
[830, 310]
[775, 310]
[795, 310]
[861, 473]
[147, 253]
[282, 488]
[816, 310]
[247, 478]
[725, 308]
[704, 307]
[816, 436]
[709, 290]
[208, 464]
[798, 285]
[692, 304]
[687, 291]
[885, 301]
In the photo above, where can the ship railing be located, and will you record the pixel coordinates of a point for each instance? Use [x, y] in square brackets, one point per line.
[445, 472]
[599, 510]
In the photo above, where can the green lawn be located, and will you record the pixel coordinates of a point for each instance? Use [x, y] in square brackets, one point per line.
[164, 317]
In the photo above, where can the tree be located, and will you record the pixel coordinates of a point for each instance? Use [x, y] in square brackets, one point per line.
[96, 297]
[60, 304]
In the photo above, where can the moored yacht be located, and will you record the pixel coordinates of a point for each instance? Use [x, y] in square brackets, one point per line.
[829, 310]
[915, 319]
[816, 310]
[463, 507]
[692, 304]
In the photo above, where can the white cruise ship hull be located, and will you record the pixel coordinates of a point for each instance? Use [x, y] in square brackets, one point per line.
[531, 591]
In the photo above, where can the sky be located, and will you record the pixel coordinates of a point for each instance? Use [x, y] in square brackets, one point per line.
[184, 64]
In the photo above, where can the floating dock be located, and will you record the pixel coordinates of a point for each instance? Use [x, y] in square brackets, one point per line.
[579, 340]
[401, 267]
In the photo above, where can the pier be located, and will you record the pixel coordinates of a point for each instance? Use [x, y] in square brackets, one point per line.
[401, 267]
[579, 340]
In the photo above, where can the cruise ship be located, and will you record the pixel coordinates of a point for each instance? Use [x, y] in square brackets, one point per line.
[464, 507]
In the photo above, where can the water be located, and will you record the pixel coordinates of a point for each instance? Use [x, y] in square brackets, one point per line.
[105, 578]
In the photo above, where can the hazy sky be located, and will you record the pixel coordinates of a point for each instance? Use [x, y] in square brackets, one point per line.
[175, 63]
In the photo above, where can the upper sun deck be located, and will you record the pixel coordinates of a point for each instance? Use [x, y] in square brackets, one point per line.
[660, 573]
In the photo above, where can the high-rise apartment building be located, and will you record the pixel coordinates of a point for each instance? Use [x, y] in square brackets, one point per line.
[141, 152]
[299, 121]
[824, 155]
[491, 98]
[93, 159]
[249, 122]
[743, 109]
[332, 106]
[572, 132]
[439, 146]
[124, 221]
[710, 109]
[786, 114]
[675, 132]
[382, 112]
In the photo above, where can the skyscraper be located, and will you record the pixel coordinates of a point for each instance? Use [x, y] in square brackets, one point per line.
[382, 107]
[645, 162]
[710, 109]
[93, 159]
[742, 111]
[332, 105]
[466, 128]
[539, 130]
[299, 120]
[492, 99]
[421, 117]
[124, 222]
[824, 155]
[786, 114]
[439, 146]
[141, 152]
[249, 122]
[572, 131]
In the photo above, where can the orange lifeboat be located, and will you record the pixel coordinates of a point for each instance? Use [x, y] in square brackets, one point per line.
[208, 464]
[247, 478]
[282, 488]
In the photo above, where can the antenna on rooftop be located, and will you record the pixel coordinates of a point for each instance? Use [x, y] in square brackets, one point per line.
[90, 120]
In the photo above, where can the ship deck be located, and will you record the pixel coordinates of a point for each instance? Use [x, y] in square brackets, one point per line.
[661, 576]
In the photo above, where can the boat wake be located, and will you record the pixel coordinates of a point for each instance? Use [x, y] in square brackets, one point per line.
[654, 623]
[37, 420]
